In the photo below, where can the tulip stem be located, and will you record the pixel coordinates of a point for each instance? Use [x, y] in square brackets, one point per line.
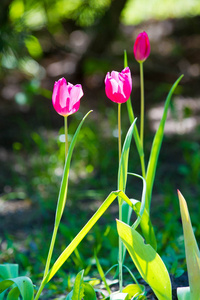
[142, 104]
[119, 130]
[66, 137]
[120, 205]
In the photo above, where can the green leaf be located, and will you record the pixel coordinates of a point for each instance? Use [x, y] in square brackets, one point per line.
[24, 285]
[89, 292]
[9, 271]
[81, 289]
[147, 261]
[139, 206]
[191, 250]
[134, 290]
[64, 184]
[101, 273]
[123, 165]
[13, 294]
[122, 175]
[75, 242]
[183, 293]
[155, 149]
[78, 290]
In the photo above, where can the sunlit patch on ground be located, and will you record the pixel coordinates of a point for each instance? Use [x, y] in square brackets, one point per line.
[183, 118]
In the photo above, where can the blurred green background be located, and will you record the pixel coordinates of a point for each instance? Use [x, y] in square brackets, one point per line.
[41, 41]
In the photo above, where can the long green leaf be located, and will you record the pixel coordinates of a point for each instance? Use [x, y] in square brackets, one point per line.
[101, 273]
[191, 250]
[123, 165]
[64, 184]
[147, 261]
[71, 247]
[61, 200]
[155, 150]
[122, 173]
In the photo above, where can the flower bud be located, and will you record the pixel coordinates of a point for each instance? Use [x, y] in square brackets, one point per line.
[141, 47]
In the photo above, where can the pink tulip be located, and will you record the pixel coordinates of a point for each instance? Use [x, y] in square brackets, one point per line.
[118, 86]
[66, 97]
[141, 47]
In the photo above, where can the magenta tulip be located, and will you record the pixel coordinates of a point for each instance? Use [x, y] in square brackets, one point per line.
[141, 47]
[66, 97]
[118, 86]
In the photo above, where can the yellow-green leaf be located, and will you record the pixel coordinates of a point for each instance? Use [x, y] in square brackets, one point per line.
[147, 261]
[191, 250]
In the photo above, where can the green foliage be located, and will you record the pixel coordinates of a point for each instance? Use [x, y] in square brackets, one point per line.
[191, 250]
[147, 261]
[20, 285]
[81, 289]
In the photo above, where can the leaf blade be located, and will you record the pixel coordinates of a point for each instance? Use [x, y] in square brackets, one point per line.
[155, 149]
[191, 250]
[147, 261]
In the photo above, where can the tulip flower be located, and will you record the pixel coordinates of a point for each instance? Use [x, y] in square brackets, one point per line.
[141, 51]
[66, 101]
[141, 47]
[66, 97]
[118, 86]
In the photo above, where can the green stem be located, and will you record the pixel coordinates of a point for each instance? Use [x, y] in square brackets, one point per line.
[119, 131]
[48, 261]
[53, 239]
[120, 255]
[120, 205]
[142, 104]
[66, 136]
[39, 291]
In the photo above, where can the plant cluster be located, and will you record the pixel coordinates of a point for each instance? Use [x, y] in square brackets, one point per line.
[141, 245]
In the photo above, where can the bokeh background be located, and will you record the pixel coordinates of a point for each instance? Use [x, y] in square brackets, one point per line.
[42, 41]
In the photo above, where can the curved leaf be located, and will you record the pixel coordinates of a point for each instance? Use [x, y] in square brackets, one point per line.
[24, 285]
[147, 261]
[89, 292]
[13, 294]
